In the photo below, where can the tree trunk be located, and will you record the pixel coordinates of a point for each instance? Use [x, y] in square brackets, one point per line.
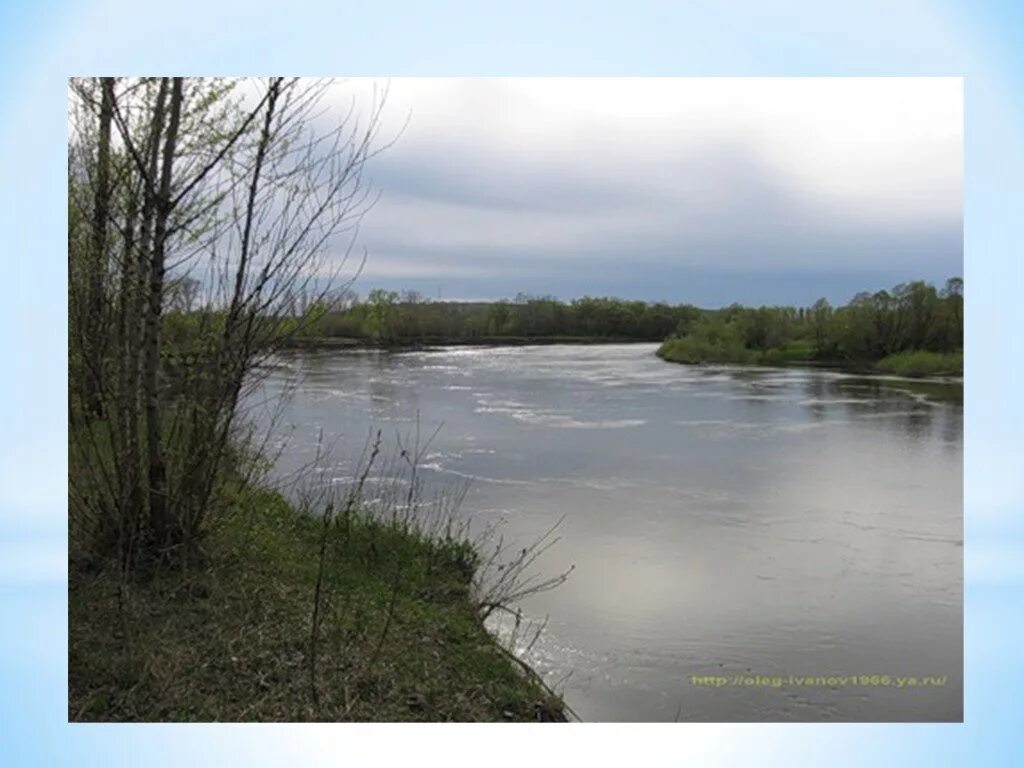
[158, 508]
[128, 401]
[94, 331]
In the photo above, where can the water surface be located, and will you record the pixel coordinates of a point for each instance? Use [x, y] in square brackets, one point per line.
[740, 524]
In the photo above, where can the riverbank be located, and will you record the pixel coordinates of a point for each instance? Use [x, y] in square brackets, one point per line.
[914, 364]
[399, 633]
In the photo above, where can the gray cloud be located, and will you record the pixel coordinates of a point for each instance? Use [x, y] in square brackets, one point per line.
[497, 187]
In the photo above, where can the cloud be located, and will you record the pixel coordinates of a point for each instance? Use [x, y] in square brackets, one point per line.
[528, 179]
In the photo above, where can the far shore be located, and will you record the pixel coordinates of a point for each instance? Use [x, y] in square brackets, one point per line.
[858, 369]
[427, 342]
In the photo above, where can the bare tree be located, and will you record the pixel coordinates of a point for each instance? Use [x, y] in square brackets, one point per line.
[239, 192]
[98, 248]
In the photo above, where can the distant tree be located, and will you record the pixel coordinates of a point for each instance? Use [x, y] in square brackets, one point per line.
[498, 317]
[382, 313]
[413, 297]
[821, 327]
[953, 299]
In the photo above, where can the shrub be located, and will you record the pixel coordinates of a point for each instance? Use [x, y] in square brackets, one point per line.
[918, 363]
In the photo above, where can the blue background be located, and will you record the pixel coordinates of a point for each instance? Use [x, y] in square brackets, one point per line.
[42, 43]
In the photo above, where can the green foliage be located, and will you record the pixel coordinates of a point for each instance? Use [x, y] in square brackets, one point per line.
[797, 351]
[387, 317]
[911, 316]
[872, 326]
[231, 640]
[382, 314]
[921, 362]
[912, 330]
[713, 339]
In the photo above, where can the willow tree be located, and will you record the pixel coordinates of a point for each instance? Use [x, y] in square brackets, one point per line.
[247, 191]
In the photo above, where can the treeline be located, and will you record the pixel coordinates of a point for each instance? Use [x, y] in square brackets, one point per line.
[914, 329]
[389, 317]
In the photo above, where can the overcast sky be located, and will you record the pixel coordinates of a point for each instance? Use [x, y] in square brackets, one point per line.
[707, 191]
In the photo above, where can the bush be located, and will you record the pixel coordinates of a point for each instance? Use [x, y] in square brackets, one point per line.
[711, 340]
[696, 349]
[791, 352]
[918, 363]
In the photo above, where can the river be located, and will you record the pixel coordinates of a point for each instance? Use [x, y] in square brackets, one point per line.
[749, 543]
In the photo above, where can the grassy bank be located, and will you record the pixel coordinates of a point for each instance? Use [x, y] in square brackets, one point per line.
[920, 363]
[696, 351]
[399, 634]
[911, 364]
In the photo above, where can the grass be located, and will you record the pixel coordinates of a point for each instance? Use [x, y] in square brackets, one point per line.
[696, 350]
[792, 353]
[693, 351]
[400, 635]
[911, 364]
[920, 363]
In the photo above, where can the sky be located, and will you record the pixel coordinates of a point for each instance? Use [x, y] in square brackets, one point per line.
[700, 190]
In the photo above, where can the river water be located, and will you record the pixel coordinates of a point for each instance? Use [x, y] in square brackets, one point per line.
[748, 543]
